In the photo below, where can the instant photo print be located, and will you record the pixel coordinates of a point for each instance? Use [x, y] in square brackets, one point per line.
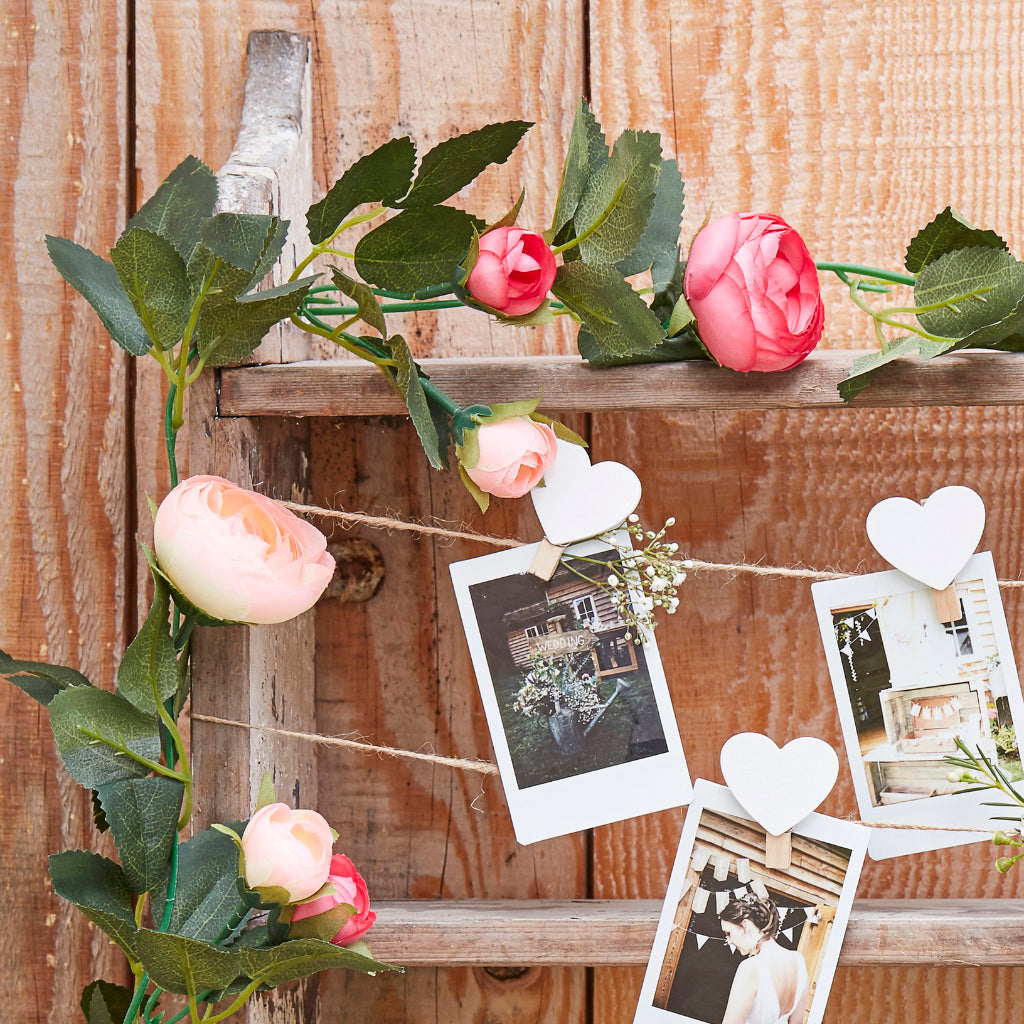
[739, 939]
[579, 713]
[908, 687]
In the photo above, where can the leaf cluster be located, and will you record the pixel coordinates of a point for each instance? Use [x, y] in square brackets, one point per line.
[968, 294]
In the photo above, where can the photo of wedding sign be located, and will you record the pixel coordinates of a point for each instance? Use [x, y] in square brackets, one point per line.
[739, 942]
[579, 711]
[911, 688]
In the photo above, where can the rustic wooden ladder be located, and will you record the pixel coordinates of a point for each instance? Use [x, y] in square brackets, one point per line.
[249, 423]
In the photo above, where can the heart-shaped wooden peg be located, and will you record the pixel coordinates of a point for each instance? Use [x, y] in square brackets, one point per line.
[930, 542]
[579, 500]
[778, 788]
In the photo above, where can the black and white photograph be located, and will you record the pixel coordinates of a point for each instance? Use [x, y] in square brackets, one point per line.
[911, 687]
[579, 712]
[743, 943]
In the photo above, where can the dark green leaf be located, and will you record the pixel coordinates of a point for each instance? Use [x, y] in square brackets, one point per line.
[672, 350]
[273, 246]
[211, 897]
[149, 672]
[143, 818]
[221, 280]
[103, 1002]
[42, 682]
[366, 302]
[661, 235]
[239, 238]
[407, 378]
[587, 153]
[866, 368]
[947, 232]
[299, 958]
[417, 249]
[155, 278]
[179, 964]
[99, 889]
[619, 198]
[1006, 335]
[454, 163]
[99, 819]
[97, 281]
[381, 176]
[977, 287]
[178, 207]
[621, 325]
[94, 728]
[230, 331]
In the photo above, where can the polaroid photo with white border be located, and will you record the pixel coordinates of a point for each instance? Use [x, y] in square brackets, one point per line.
[740, 941]
[908, 686]
[580, 715]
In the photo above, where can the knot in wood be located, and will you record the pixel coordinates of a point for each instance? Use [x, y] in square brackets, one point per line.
[360, 570]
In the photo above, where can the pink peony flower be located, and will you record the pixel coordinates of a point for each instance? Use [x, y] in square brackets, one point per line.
[514, 455]
[753, 288]
[349, 888]
[239, 555]
[513, 272]
[287, 849]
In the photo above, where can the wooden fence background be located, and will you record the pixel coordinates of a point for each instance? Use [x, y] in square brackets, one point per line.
[854, 119]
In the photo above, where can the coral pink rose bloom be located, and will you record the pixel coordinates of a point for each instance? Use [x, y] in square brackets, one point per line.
[239, 555]
[753, 288]
[287, 849]
[513, 272]
[349, 888]
[514, 455]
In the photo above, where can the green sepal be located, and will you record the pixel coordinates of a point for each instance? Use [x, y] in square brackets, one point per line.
[322, 926]
[561, 431]
[96, 280]
[510, 410]
[468, 453]
[176, 210]
[681, 318]
[98, 887]
[420, 248]
[508, 220]
[103, 1002]
[482, 498]
[367, 303]
[153, 506]
[381, 176]
[266, 795]
[155, 279]
[93, 728]
[947, 232]
[143, 819]
[451, 165]
[42, 682]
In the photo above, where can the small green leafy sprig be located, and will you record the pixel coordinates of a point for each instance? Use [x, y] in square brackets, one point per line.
[641, 580]
[968, 294]
[981, 774]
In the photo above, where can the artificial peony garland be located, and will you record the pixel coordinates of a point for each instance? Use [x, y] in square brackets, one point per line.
[246, 906]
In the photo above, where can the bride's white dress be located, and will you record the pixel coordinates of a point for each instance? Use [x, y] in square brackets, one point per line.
[766, 1009]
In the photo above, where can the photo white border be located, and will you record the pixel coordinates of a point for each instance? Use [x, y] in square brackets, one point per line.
[615, 793]
[953, 809]
[712, 797]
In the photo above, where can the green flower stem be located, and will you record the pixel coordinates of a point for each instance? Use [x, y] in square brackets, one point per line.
[140, 993]
[187, 352]
[327, 308]
[171, 435]
[890, 321]
[351, 344]
[172, 889]
[873, 272]
[243, 998]
[165, 364]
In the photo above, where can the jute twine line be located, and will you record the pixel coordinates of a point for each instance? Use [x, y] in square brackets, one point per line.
[695, 564]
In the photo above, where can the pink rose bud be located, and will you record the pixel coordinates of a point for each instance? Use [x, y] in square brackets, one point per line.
[349, 888]
[239, 555]
[514, 455]
[287, 849]
[513, 272]
[753, 287]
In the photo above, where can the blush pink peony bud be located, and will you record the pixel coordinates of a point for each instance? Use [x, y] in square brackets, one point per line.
[349, 888]
[287, 849]
[753, 287]
[514, 455]
[239, 555]
[513, 272]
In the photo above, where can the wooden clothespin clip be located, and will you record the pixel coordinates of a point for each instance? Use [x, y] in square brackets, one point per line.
[546, 559]
[778, 852]
[947, 604]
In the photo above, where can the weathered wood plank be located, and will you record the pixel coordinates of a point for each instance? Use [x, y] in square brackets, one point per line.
[416, 933]
[65, 556]
[347, 387]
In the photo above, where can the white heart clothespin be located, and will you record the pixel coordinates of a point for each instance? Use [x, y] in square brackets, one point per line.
[778, 787]
[579, 501]
[930, 541]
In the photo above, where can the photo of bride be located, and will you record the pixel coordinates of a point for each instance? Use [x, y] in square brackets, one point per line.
[743, 943]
